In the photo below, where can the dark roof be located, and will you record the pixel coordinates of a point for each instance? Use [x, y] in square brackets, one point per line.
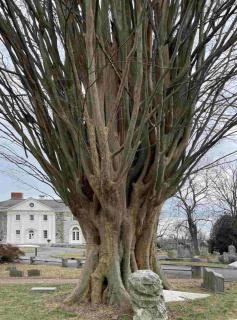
[54, 204]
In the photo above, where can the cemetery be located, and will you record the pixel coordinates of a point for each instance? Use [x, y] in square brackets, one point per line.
[201, 284]
[118, 160]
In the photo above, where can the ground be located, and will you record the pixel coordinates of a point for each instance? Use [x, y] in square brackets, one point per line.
[17, 302]
[216, 307]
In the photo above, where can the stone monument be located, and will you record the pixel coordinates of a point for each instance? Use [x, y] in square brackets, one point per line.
[230, 256]
[213, 281]
[145, 288]
[184, 251]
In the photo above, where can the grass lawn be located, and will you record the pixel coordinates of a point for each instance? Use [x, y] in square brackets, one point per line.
[216, 307]
[17, 302]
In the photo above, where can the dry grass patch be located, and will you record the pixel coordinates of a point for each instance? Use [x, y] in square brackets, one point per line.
[46, 271]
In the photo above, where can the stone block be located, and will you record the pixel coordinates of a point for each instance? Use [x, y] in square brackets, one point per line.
[32, 260]
[184, 251]
[232, 250]
[33, 273]
[43, 289]
[146, 291]
[196, 259]
[64, 263]
[212, 280]
[196, 272]
[79, 263]
[15, 273]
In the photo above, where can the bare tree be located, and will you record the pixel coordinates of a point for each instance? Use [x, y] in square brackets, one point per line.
[117, 101]
[192, 204]
[224, 189]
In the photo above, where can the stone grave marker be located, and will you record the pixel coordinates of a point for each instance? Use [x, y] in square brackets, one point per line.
[184, 251]
[64, 262]
[196, 272]
[33, 273]
[32, 260]
[212, 280]
[232, 250]
[79, 263]
[147, 297]
[43, 289]
[15, 273]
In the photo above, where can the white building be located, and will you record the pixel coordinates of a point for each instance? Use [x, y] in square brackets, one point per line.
[38, 221]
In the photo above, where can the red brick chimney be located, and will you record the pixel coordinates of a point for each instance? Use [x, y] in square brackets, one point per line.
[16, 195]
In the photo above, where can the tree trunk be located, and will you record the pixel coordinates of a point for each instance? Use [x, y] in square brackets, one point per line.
[120, 250]
[194, 235]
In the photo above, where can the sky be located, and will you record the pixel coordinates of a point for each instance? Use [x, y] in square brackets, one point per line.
[12, 179]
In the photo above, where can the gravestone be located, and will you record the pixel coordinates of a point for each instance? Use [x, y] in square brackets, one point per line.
[43, 289]
[196, 259]
[146, 291]
[212, 280]
[184, 251]
[32, 260]
[79, 263]
[64, 262]
[33, 273]
[232, 250]
[230, 256]
[15, 273]
[196, 272]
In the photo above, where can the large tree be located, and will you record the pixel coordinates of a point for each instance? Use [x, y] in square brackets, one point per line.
[117, 101]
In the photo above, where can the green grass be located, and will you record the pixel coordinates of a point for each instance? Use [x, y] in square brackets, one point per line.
[17, 302]
[216, 307]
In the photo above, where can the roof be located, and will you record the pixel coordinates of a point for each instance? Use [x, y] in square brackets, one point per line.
[57, 205]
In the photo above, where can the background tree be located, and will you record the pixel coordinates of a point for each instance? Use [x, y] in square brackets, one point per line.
[223, 234]
[117, 101]
[192, 204]
[224, 189]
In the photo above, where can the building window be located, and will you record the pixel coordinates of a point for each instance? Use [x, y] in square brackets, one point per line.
[18, 232]
[75, 234]
[31, 217]
[18, 217]
[45, 234]
[45, 217]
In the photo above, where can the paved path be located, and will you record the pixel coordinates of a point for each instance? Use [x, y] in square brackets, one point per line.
[185, 272]
[49, 255]
[172, 296]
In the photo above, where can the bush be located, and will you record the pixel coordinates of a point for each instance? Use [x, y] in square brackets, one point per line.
[223, 234]
[9, 253]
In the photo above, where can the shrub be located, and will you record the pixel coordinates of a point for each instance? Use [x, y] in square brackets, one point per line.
[223, 234]
[9, 253]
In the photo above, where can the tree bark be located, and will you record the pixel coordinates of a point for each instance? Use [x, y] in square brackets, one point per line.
[120, 250]
[194, 235]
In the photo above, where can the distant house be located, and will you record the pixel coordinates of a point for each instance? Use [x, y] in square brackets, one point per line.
[37, 221]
